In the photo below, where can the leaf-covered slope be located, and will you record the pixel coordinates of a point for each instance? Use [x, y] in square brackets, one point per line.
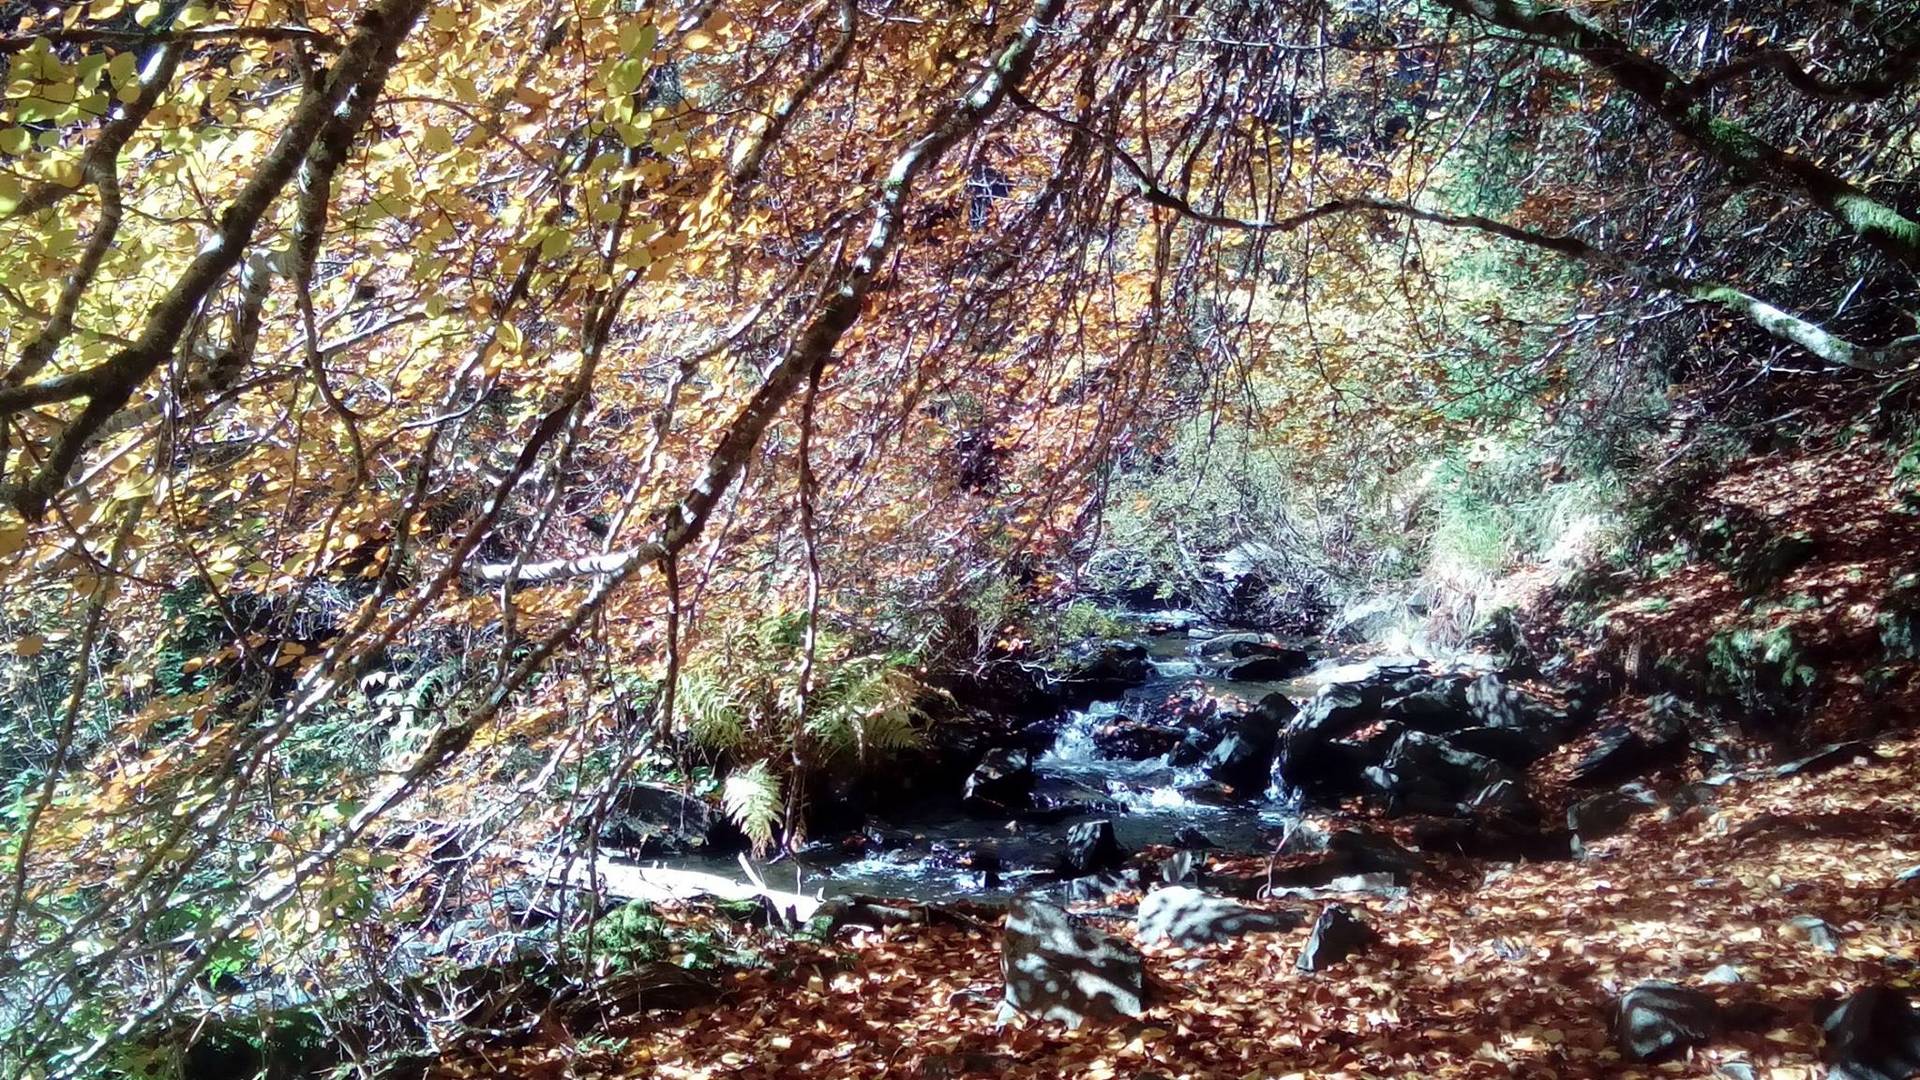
[1506, 972]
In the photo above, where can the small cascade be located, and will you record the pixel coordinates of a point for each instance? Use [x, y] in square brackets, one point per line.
[1074, 745]
[1175, 668]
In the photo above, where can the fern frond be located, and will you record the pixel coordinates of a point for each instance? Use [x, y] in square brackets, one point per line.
[867, 714]
[751, 798]
[709, 712]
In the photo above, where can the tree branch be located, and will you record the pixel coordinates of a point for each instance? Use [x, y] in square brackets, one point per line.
[112, 138]
[746, 168]
[813, 346]
[679, 528]
[108, 386]
[1734, 148]
[1782, 324]
[14, 43]
[1900, 68]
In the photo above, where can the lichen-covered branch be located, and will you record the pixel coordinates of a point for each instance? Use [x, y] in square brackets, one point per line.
[1782, 324]
[1731, 146]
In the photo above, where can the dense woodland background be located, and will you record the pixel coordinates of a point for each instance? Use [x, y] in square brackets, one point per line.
[422, 419]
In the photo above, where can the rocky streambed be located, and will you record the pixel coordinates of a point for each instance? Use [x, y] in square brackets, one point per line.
[1196, 737]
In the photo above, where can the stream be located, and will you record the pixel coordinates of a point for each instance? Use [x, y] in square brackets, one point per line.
[941, 855]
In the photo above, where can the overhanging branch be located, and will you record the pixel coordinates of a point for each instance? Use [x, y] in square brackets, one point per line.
[1782, 324]
[1734, 148]
[21, 42]
[108, 386]
[813, 346]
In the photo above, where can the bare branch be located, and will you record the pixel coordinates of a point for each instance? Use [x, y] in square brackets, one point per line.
[1899, 69]
[746, 168]
[813, 346]
[1782, 324]
[135, 38]
[1733, 147]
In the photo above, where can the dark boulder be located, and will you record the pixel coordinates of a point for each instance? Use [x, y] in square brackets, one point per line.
[1009, 856]
[1053, 792]
[1352, 854]
[1584, 696]
[1000, 786]
[1621, 753]
[1243, 760]
[1605, 814]
[1208, 793]
[1269, 667]
[1098, 888]
[1438, 708]
[1239, 646]
[1091, 848]
[1337, 935]
[1494, 703]
[1366, 621]
[996, 690]
[1514, 747]
[1056, 969]
[1494, 838]
[1363, 851]
[1322, 774]
[1100, 669]
[1873, 1035]
[1338, 709]
[654, 819]
[1132, 740]
[1056, 798]
[1189, 918]
[1198, 740]
[1427, 774]
[1308, 759]
[1191, 839]
[1656, 1020]
[1242, 764]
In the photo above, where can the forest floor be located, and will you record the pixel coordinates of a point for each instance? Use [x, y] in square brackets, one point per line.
[1481, 970]
[1807, 552]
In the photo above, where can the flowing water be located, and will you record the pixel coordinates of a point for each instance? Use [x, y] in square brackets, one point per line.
[1150, 801]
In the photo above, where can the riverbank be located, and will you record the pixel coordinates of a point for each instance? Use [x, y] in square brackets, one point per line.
[1777, 897]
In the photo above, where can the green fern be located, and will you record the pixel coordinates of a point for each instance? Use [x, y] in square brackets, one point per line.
[751, 797]
[709, 711]
[867, 709]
